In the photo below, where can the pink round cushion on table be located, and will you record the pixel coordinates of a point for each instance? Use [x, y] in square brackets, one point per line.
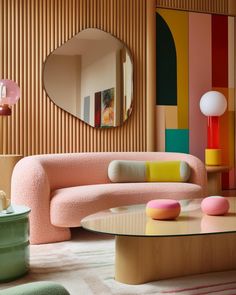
[215, 205]
[163, 209]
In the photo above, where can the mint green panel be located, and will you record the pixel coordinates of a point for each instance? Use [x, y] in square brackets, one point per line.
[177, 140]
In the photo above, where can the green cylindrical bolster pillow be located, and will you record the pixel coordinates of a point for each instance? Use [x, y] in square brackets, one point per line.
[142, 171]
[37, 288]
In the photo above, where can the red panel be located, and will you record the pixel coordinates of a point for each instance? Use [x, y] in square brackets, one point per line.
[219, 51]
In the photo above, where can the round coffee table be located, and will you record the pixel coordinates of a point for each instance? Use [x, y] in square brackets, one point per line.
[149, 250]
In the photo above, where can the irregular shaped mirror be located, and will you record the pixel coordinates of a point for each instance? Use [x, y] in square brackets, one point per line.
[91, 77]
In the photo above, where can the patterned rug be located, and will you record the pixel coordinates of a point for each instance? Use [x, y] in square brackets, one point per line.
[85, 266]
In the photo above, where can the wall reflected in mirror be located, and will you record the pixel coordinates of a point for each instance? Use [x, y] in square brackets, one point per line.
[91, 77]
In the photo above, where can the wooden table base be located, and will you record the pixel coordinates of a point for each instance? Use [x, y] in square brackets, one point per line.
[214, 185]
[143, 259]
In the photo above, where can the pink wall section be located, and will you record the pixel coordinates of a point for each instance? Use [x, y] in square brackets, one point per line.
[200, 79]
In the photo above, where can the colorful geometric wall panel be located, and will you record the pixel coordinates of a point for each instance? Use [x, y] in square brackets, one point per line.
[177, 140]
[205, 48]
[166, 65]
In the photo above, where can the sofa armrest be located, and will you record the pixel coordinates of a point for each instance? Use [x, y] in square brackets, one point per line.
[30, 187]
[198, 172]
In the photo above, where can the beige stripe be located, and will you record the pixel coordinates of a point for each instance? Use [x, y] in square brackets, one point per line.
[160, 128]
[171, 117]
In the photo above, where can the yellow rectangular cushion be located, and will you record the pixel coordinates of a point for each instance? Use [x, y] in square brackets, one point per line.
[169, 171]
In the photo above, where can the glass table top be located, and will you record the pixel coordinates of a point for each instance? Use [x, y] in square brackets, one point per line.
[132, 221]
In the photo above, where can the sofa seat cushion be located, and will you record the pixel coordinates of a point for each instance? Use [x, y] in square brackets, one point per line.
[70, 205]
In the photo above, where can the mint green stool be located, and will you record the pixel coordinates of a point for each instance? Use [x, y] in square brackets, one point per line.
[14, 243]
[38, 288]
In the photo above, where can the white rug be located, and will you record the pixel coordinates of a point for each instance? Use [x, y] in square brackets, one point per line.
[85, 266]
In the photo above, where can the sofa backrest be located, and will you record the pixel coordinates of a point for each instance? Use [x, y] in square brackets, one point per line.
[74, 169]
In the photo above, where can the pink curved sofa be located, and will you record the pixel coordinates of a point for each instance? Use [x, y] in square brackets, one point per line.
[61, 189]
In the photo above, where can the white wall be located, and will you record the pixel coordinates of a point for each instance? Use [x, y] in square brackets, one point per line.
[96, 76]
[62, 81]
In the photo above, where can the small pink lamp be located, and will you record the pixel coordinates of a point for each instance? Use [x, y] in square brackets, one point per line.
[9, 95]
[213, 104]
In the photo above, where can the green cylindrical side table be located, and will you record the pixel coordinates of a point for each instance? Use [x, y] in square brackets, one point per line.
[14, 243]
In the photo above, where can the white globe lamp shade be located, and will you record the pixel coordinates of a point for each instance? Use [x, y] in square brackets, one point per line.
[213, 103]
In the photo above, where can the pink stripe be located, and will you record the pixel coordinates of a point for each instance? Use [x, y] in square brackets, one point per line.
[216, 291]
[198, 287]
[199, 79]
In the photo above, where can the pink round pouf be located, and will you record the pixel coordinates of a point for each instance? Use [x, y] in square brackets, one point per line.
[215, 205]
[163, 209]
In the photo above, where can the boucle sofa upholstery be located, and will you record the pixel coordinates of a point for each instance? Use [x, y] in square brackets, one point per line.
[61, 189]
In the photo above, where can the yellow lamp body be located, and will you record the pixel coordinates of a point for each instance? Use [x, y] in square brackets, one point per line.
[213, 157]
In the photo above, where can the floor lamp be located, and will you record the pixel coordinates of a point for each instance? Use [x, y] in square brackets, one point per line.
[213, 104]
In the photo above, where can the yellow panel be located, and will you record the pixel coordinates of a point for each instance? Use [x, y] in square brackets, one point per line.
[160, 128]
[171, 117]
[178, 24]
[231, 116]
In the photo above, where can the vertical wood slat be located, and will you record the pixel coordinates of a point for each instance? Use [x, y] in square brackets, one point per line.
[29, 31]
[210, 6]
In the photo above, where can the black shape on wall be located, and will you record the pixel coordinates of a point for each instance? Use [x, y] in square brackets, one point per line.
[166, 66]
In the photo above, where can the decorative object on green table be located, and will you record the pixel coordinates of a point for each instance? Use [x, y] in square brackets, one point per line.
[9, 95]
[14, 242]
[3, 201]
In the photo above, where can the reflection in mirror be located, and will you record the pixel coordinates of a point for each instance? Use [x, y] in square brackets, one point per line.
[91, 77]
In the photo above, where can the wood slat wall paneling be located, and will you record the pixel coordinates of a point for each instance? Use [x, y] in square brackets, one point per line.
[232, 7]
[210, 6]
[29, 32]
